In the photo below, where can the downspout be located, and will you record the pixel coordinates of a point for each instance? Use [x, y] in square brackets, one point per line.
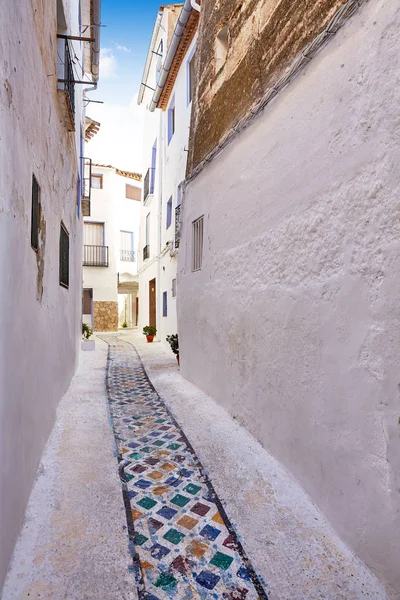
[149, 59]
[195, 5]
[96, 45]
[176, 38]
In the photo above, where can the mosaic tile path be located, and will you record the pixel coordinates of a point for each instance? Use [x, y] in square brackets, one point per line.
[182, 543]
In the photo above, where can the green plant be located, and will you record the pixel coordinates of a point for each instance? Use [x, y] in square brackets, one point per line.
[86, 331]
[149, 330]
[173, 342]
[124, 324]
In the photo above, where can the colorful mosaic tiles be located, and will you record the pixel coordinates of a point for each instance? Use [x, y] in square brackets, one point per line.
[183, 544]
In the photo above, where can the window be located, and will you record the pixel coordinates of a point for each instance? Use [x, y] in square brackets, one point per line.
[132, 192]
[171, 120]
[174, 288]
[35, 216]
[190, 79]
[178, 195]
[169, 212]
[221, 48]
[197, 250]
[126, 248]
[164, 304]
[97, 182]
[64, 256]
[147, 229]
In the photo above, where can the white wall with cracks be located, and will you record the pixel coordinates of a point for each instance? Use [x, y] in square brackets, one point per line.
[293, 323]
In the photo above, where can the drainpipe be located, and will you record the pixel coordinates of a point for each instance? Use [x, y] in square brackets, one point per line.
[195, 5]
[176, 38]
[149, 59]
[96, 43]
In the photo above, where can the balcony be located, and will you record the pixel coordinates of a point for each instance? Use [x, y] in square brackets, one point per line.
[177, 225]
[86, 186]
[146, 252]
[148, 185]
[127, 255]
[66, 84]
[95, 256]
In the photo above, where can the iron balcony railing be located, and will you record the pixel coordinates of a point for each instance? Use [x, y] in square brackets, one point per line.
[177, 225]
[146, 252]
[95, 256]
[148, 185]
[69, 78]
[128, 255]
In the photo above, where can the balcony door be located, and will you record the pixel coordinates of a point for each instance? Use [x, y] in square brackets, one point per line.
[94, 234]
[126, 246]
[152, 303]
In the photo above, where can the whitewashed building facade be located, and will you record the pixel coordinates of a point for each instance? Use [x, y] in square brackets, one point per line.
[110, 243]
[42, 124]
[168, 102]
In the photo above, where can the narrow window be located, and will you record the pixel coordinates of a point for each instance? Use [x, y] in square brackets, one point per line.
[97, 182]
[171, 120]
[64, 256]
[35, 216]
[169, 212]
[197, 250]
[174, 288]
[191, 80]
[127, 253]
[132, 192]
[164, 304]
[221, 48]
[178, 195]
[147, 229]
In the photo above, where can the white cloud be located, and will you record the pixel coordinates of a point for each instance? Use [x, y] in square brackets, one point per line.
[119, 141]
[108, 63]
[123, 48]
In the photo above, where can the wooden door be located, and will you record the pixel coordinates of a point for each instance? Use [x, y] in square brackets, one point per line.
[152, 303]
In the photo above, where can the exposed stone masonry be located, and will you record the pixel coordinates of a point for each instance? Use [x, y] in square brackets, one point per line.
[105, 316]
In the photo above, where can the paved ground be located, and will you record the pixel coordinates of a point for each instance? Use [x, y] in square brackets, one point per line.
[222, 521]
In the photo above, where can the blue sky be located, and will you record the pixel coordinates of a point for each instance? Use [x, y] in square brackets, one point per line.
[125, 42]
[125, 37]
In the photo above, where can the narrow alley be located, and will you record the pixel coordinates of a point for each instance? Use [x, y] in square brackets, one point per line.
[148, 489]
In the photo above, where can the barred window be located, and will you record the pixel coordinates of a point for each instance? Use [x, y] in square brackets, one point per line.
[35, 215]
[173, 288]
[64, 256]
[197, 249]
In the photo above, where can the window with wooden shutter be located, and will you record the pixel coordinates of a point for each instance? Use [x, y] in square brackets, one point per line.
[64, 256]
[132, 192]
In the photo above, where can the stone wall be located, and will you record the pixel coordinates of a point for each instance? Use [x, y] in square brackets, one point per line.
[264, 36]
[292, 323]
[105, 316]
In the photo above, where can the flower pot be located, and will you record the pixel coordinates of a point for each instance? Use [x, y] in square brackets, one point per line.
[149, 338]
[177, 358]
[87, 345]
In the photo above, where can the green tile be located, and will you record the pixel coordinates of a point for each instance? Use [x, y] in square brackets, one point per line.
[147, 503]
[128, 477]
[174, 536]
[223, 561]
[160, 421]
[192, 489]
[136, 455]
[166, 581]
[180, 500]
[159, 443]
[146, 449]
[174, 446]
[140, 539]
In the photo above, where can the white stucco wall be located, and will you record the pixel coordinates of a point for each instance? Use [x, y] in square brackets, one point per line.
[293, 322]
[110, 206]
[39, 319]
[170, 172]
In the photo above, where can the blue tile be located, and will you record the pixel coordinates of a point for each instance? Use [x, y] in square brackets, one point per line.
[207, 580]
[158, 552]
[211, 533]
[143, 484]
[167, 512]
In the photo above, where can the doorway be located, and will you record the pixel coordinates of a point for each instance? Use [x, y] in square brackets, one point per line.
[152, 303]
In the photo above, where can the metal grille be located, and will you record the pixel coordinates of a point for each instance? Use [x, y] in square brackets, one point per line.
[177, 225]
[95, 256]
[69, 83]
[64, 256]
[197, 257]
[35, 214]
[128, 255]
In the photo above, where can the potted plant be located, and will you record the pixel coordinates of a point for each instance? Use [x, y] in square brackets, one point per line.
[87, 344]
[124, 324]
[149, 331]
[174, 343]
